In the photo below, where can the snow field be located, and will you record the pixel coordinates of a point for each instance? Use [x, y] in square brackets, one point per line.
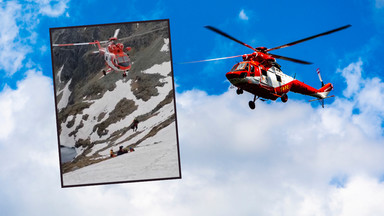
[146, 126]
[149, 161]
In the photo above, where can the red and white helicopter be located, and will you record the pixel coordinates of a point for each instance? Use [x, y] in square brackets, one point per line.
[115, 57]
[260, 75]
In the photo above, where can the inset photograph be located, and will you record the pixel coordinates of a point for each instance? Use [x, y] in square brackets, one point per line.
[115, 103]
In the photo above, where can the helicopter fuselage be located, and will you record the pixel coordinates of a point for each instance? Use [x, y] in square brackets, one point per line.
[115, 58]
[263, 78]
[118, 61]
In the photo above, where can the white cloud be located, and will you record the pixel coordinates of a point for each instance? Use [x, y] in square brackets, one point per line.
[352, 75]
[17, 29]
[242, 15]
[13, 51]
[21, 105]
[279, 159]
[361, 196]
[52, 8]
[365, 95]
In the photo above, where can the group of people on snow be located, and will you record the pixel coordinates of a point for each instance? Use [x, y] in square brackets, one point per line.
[121, 151]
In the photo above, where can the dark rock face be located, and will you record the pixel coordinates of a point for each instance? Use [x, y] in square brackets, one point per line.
[82, 67]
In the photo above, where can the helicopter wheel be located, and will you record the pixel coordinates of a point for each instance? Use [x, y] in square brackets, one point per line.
[252, 104]
[124, 74]
[239, 91]
[104, 72]
[284, 98]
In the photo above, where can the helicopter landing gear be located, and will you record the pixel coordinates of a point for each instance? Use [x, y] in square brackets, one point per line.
[284, 98]
[239, 91]
[252, 104]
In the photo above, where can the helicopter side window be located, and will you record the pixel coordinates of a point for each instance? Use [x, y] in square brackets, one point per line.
[264, 72]
[252, 70]
[278, 78]
[240, 66]
[234, 67]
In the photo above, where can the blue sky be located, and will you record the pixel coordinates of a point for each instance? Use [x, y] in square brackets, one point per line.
[279, 159]
[258, 24]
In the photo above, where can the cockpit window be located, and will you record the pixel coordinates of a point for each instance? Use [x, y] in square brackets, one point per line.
[240, 66]
[123, 61]
[234, 67]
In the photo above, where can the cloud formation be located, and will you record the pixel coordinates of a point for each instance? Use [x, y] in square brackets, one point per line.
[242, 15]
[12, 50]
[279, 158]
[291, 159]
[52, 8]
[17, 30]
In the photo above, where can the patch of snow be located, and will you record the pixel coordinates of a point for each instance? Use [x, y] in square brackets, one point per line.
[96, 148]
[59, 74]
[165, 47]
[65, 139]
[162, 69]
[65, 98]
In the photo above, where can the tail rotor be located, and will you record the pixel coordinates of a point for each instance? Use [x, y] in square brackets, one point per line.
[318, 73]
[323, 92]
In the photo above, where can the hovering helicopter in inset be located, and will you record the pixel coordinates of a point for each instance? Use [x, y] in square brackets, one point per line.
[115, 57]
[260, 75]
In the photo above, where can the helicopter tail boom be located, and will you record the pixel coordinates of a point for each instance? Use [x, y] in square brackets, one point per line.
[324, 91]
[302, 88]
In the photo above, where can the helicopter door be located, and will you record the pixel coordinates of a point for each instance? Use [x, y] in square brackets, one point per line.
[252, 70]
[264, 77]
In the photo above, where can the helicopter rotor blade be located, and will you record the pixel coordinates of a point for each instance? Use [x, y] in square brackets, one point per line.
[228, 36]
[140, 34]
[215, 59]
[74, 44]
[309, 38]
[289, 59]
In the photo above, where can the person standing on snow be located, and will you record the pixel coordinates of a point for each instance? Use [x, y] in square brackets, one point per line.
[134, 125]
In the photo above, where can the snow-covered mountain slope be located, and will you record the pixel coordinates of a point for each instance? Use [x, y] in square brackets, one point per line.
[95, 112]
[156, 158]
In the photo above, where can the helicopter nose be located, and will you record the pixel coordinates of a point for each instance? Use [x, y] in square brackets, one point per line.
[236, 75]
